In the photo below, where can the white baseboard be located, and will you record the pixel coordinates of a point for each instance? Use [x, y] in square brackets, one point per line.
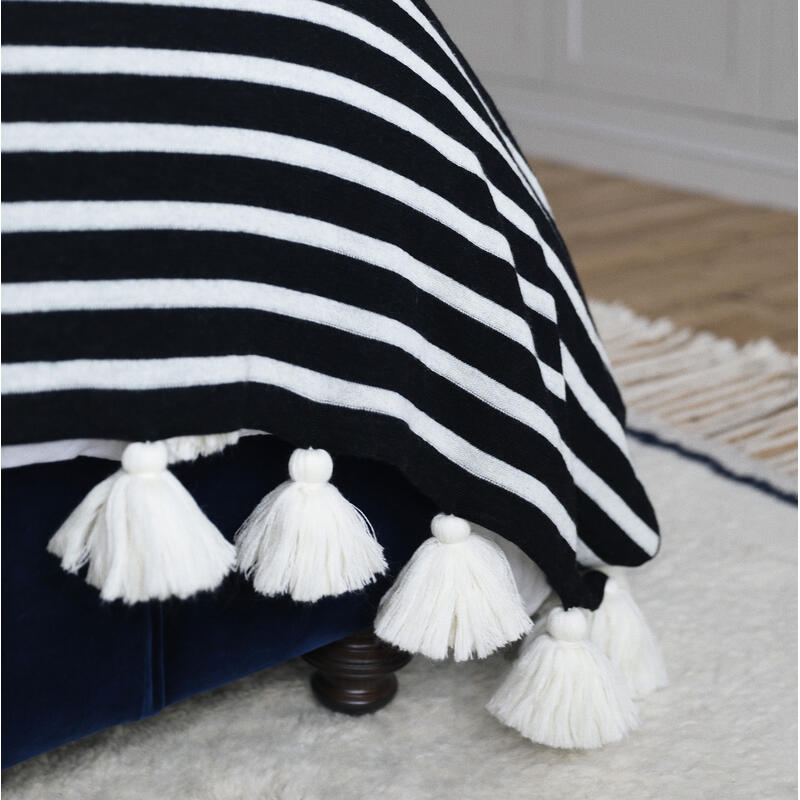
[727, 156]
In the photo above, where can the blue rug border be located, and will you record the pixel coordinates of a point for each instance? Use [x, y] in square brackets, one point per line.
[653, 439]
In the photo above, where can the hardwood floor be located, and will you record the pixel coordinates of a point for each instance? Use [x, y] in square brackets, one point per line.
[706, 263]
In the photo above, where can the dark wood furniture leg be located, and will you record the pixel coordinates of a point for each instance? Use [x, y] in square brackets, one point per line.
[355, 675]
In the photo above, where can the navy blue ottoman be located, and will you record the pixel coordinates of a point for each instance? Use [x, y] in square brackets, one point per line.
[73, 665]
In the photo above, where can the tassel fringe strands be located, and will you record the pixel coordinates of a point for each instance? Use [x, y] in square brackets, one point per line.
[572, 686]
[190, 448]
[306, 539]
[562, 691]
[620, 630]
[142, 534]
[458, 592]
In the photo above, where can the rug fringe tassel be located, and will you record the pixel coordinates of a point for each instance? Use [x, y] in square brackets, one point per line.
[740, 396]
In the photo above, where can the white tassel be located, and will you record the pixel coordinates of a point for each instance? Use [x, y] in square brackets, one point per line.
[531, 581]
[620, 630]
[305, 538]
[142, 534]
[456, 591]
[562, 691]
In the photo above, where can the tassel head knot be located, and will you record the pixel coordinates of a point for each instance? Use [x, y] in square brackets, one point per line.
[449, 529]
[567, 626]
[143, 457]
[310, 466]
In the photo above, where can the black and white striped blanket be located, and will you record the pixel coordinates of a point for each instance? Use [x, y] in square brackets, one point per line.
[305, 218]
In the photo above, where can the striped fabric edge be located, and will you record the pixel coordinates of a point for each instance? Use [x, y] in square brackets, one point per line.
[169, 373]
[114, 215]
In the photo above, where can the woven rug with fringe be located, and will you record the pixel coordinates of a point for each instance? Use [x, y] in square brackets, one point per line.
[714, 433]
[743, 398]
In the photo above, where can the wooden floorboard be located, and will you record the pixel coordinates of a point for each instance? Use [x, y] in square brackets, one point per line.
[707, 263]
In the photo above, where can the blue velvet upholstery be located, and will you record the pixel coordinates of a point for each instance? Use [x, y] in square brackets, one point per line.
[73, 665]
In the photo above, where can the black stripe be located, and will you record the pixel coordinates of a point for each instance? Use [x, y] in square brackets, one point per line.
[604, 458]
[601, 534]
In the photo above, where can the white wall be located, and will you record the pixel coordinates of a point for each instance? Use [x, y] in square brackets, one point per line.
[701, 94]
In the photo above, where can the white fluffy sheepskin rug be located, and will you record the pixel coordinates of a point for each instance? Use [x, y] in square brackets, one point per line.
[721, 597]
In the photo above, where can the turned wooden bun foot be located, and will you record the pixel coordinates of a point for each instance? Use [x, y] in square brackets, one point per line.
[356, 674]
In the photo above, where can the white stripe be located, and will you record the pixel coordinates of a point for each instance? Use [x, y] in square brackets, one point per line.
[538, 300]
[552, 379]
[615, 507]
[224, 66]
[211, 140]
[172, 215]
[149, 374]
[22, 455]
[47, 296]
[541, 302]
[588, 400]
